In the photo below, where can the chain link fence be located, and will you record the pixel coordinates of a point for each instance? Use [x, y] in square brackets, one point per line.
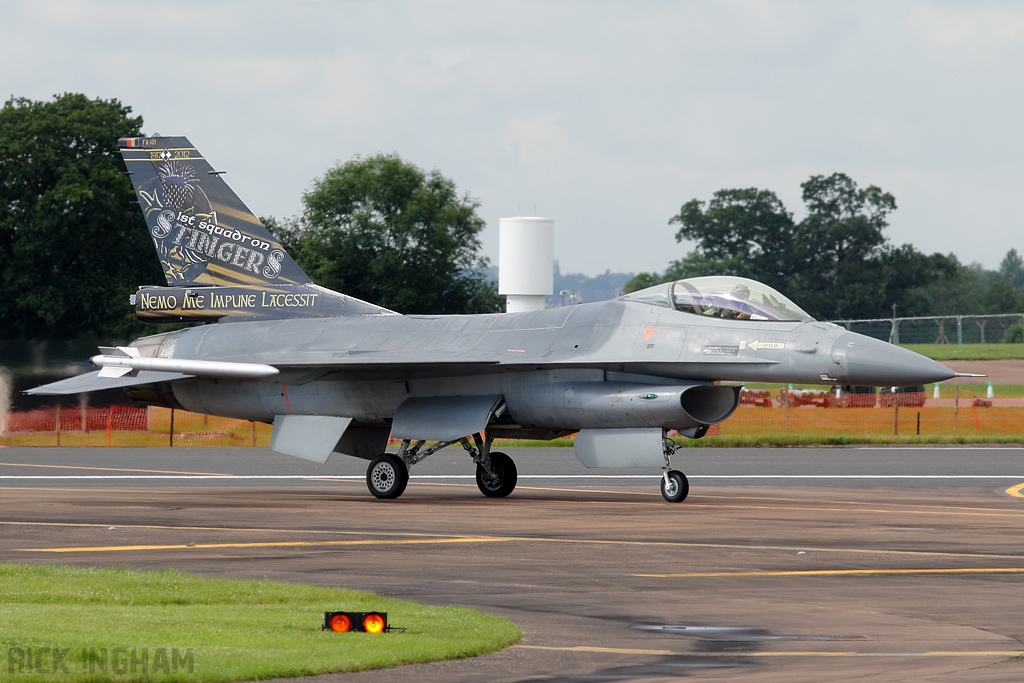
[950, 329]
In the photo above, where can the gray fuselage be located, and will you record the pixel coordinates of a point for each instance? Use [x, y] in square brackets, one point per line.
[559, 369]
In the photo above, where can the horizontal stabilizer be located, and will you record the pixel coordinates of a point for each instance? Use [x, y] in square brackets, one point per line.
[95, 381]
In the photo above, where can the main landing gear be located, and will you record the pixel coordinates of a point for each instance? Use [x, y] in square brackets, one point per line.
[496, 474]
[497, 478]
[387, 476]
[674, 484]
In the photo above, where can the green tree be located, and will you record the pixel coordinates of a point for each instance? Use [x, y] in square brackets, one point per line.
[642, 281]
[839, 245]
[73, 245]
[1001, 297]
[913, 280]
[744, 232]
[836, 262]
[381, 229]
[1012, 268]
[953, 294]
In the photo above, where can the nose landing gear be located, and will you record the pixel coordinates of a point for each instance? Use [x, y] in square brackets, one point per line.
[674, 484]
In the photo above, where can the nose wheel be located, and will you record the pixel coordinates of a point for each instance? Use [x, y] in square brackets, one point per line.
[674, 486]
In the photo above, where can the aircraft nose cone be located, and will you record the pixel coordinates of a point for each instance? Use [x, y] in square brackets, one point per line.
[857, 359]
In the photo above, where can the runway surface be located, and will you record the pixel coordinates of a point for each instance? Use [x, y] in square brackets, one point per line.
[783, 564]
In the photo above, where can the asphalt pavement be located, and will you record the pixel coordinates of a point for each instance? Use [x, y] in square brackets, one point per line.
[885, 564]
[846, 466]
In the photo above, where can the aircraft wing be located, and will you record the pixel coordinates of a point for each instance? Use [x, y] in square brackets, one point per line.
[373, 359]
[92, 381]
[392, 365]
[294, 373]
[378, 365]
[124, 366]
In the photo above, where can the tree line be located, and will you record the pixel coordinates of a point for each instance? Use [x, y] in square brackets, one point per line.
[836, 263]
[74, 246]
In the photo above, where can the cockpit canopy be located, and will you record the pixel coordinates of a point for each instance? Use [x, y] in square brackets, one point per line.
[722, 296]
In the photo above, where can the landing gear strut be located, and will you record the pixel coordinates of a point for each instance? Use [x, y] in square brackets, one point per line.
[499, 478]
[674, 484]
[496, 474]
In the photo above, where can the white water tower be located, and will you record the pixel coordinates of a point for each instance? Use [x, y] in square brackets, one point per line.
[526, 262]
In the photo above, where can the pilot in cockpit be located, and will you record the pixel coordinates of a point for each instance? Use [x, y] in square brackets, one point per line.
[734, 304]
[740, 307]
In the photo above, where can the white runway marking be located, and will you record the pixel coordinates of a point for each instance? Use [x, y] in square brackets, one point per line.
[359, 477]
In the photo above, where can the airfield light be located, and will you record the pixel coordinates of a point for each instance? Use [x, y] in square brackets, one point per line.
[366, 622]
[340, 622]
[373, 623]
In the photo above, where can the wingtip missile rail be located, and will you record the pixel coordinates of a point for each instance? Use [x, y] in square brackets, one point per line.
[120, 361]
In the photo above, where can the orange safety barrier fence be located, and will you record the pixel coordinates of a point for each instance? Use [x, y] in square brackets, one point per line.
[795, 412]
[128, 426]
[787, 413]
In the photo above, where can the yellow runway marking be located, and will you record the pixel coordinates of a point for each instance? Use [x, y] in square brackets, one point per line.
[522, 539]
[737, 546]
[811, 653]
[414, 534]
[869, 510]
[278, 544]
[1015, 491]
[829, 501]
[840, 572]
[984, 512]
[113, 469]
[813, 505]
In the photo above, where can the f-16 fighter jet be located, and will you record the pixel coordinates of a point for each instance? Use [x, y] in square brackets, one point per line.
[338, 375]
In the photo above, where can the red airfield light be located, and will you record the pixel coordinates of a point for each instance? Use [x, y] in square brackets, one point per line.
[339, 623]
[374, 623]
[365, 622]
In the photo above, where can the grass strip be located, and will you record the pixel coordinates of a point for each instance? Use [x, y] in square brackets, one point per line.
[969, 351]
[69, 624]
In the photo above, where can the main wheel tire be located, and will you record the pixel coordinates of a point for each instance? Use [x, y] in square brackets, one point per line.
[675, 486]
[504, 480]
[387, 476]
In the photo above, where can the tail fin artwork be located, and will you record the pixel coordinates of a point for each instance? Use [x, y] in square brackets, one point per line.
[218, 258]
[203, 232]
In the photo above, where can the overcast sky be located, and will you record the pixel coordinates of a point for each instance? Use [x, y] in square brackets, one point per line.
[605, 116]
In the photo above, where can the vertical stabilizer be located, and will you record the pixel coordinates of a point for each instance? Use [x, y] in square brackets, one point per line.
[204, 234]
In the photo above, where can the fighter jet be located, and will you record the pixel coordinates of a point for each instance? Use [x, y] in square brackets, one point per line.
[334, 374]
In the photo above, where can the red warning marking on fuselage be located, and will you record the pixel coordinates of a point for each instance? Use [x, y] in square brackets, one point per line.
[648, 333]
